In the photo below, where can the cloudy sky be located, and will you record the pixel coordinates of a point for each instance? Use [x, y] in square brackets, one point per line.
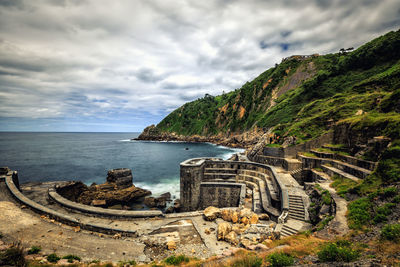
[100, 65]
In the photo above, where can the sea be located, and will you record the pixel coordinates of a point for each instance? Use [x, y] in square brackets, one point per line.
[87, 157]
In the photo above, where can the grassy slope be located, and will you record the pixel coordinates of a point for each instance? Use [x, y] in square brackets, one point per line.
[342, 85]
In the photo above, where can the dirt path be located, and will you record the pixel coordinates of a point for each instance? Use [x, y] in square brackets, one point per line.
[338, 226]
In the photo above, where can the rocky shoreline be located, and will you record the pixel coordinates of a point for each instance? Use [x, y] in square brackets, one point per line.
[244, 140]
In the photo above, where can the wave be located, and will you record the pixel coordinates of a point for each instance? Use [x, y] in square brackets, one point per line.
[172, 186]
[125, 140]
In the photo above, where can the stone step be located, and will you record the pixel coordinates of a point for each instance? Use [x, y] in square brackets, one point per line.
[296, 208]
[320, 175]
[296, 205]
[296, 217]
[285, 232]
[219, 170]
[295, 197]
[297, 213]
[332, 171]
[212, 176]
[351, 169]
[343, 149]
[289, 229]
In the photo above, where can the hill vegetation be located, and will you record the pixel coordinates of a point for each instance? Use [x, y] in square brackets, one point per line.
[304, 96]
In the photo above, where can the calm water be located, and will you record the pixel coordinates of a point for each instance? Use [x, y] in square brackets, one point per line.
[88, 156]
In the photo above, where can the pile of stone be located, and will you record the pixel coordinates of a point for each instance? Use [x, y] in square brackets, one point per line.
[117, 190]
[241, 226]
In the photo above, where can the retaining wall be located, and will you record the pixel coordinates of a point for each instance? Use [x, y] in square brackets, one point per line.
[193, 175]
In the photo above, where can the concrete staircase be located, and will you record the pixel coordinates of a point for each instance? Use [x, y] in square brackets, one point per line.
[296, 208]
[288, 231]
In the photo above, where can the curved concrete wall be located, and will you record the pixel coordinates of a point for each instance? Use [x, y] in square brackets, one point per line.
[101, 211]
[64, 218]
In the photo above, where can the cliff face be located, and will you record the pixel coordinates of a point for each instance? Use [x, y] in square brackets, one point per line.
[299, 99]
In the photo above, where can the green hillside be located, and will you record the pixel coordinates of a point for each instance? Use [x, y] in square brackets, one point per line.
[304, 96]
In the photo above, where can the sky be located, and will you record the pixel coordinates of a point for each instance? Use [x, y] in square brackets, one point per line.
[121, 65]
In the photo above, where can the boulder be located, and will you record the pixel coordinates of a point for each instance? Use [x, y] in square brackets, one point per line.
[224, 229]
[244, 242]
[246, 212]
[253, 219]
[234, 216]
[226, 215]
[239, 228]
[170, 209]
[263, 217]
[166, 196]
[121, 177]
[171, 245]
[72, 190]
[211, 213]
[232, 238]
[177, 205]
[152, 202]
[98, 203]
[112, 197]
[244, 220]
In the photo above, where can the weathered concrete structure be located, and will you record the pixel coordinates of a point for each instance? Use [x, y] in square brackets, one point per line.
[215, 182]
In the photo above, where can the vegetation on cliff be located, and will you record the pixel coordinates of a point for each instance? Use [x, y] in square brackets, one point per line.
[305, 96]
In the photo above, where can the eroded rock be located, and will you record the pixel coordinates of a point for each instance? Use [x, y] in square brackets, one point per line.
[232, 238]
[211, 213]
[224, 229]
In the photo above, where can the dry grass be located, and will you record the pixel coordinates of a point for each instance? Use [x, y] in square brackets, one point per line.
[297, 245]
[389, 252]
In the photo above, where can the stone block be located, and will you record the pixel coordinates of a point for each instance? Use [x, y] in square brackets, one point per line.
[121, 177]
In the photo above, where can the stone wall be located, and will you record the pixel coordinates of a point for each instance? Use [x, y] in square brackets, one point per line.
[195, 172]
[192, 173]
[221, 194]
[291, 151]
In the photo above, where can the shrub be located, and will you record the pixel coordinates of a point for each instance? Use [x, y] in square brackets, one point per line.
[13, 256]
[248, 261]
[389, 192]
[359, 213]
[396, 199]
[53, 258]
[131, 263]
[34, 250]
[71, 258]
[382, 212]
[339, 251]
[280, 259]
[391, 232]
[321, 225]
[176, 260]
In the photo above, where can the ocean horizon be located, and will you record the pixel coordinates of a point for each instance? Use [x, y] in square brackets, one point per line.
[87, 156]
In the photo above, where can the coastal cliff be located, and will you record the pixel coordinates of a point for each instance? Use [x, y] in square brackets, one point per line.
[299, 99]
[244, 140]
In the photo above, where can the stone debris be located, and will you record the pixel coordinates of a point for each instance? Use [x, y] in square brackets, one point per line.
[223, 230]
[211, 213]
[232, 238]
[171, 245]
[263, 217]
[253, 219]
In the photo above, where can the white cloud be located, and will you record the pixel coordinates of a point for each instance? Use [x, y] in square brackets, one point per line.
[87, 58]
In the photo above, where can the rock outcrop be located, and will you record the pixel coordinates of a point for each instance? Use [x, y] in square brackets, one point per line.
[118, 189]
[243, 140]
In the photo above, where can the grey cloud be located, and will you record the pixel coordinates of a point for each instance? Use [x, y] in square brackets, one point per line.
[97, 57]
[148, 75]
